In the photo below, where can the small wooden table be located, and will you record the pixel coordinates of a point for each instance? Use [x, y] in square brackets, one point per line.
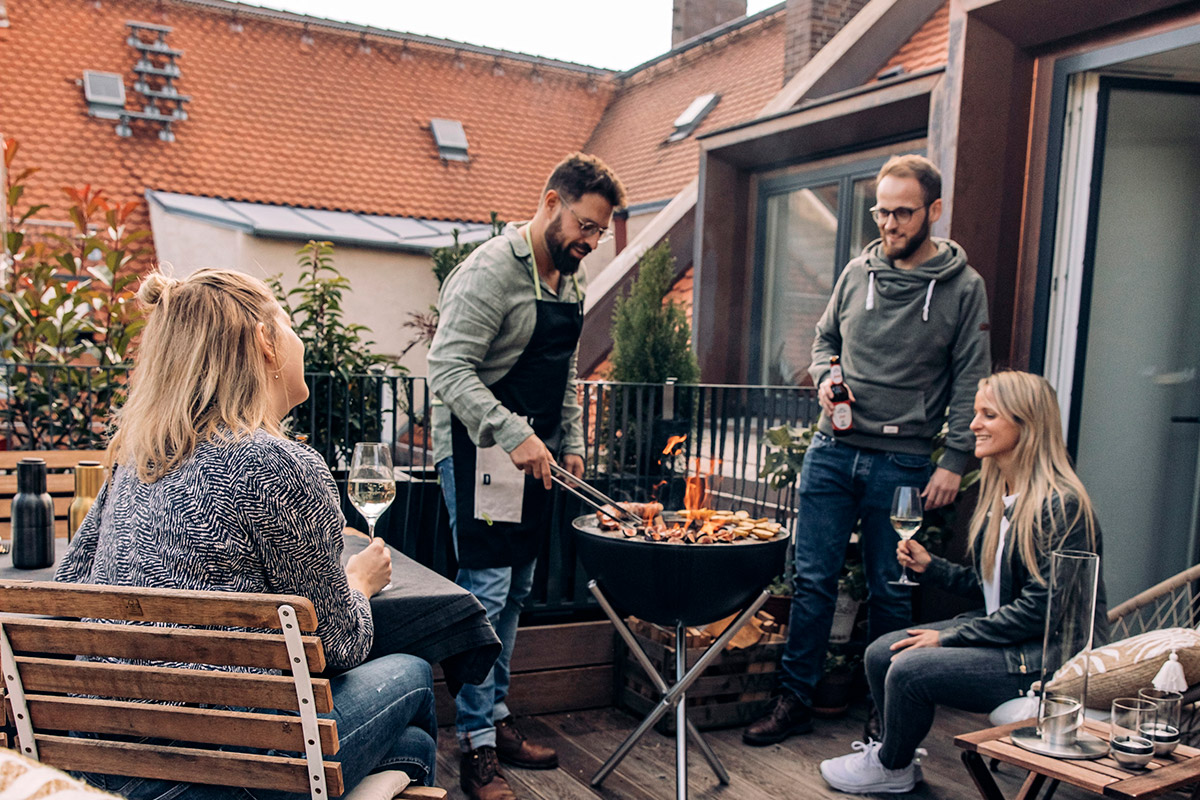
[1102, 776]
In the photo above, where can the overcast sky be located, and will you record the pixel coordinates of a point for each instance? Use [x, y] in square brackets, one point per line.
[617, 34]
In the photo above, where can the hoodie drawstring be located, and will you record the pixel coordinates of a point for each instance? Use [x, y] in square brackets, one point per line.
[871, 295]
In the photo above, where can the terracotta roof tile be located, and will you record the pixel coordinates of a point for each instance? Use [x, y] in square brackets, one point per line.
[326, 126]
[744, 66]
[928, 47]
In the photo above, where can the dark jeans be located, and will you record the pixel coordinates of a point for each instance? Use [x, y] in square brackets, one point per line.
[910, 684]
[840, 485]
[502, 591]
[386, 719]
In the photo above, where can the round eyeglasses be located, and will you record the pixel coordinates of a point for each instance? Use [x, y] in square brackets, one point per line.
[902, 214]
[589, 228]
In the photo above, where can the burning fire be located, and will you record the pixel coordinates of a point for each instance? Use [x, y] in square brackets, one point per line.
[673, 444]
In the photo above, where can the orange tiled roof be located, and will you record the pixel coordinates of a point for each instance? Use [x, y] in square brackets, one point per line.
[928, 47]
[745, 66]
[275, 120]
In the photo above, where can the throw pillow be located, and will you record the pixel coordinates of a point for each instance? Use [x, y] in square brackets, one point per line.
[22, 778]
[1121, 668]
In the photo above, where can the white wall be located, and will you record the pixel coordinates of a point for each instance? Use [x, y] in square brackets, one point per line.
[385, 285]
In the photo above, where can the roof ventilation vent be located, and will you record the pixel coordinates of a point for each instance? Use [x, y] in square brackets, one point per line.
[450, 138]
[693, 115]
[105, 94]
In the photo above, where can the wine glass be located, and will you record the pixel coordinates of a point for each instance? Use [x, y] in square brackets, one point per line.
[372, 484]
[906, 518]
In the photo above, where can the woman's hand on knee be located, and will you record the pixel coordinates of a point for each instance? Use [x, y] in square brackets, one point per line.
[918, 637]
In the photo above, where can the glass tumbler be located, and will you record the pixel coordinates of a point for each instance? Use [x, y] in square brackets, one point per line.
[1127, 742]
[1163, 730]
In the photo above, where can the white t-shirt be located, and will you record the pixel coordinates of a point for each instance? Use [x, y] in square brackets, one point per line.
[991, 586]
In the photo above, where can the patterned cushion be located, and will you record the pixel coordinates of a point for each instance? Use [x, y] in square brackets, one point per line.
[22, 778]
[1121, 668]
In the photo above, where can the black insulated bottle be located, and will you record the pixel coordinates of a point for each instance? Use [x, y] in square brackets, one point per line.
[32, 517]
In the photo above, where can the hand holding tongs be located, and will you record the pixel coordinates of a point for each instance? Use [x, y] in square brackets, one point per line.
[593, 496]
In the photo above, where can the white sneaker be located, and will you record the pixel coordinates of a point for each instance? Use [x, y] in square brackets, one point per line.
[861, 773]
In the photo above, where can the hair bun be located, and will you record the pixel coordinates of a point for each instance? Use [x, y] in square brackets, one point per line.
[154, 288]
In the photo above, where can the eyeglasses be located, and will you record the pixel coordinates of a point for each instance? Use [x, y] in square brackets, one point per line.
[589, 228]
[902, 214]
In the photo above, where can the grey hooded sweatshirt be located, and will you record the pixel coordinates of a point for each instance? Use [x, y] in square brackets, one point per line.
[913, 344]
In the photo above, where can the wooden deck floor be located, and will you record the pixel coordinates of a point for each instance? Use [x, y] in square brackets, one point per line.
[585, 739]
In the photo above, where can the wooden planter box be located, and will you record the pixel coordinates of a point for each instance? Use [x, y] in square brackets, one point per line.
[732, 691]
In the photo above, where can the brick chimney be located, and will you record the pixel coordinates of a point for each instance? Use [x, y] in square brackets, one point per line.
[810, 24]
[694, 17]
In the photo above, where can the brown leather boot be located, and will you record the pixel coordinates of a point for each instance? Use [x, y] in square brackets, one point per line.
[514, 749]
[787, 715]
[480, 778]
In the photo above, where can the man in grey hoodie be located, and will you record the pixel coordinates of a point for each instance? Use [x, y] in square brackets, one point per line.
[908, 319]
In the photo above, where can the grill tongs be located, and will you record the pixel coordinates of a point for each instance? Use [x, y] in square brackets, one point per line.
[593, 497]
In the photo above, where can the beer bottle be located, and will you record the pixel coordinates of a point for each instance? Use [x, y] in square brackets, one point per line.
[842, 419]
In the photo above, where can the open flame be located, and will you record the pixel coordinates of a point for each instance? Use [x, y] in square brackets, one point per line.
[673, 445]
[695, 495]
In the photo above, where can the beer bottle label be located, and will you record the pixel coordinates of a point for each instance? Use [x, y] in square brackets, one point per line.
[841, 417]
[835, 373]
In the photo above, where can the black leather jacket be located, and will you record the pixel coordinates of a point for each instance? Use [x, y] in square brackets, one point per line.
[1019, 624]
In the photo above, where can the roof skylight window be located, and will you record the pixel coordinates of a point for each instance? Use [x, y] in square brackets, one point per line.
[450, 138]
[693, 115]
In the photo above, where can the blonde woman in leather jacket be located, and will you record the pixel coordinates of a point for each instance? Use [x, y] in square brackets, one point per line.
[1031, 503]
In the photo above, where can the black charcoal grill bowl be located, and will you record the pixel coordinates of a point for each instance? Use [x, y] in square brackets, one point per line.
[668, 583]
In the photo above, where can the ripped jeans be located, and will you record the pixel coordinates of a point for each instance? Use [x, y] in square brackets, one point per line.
[385, 717]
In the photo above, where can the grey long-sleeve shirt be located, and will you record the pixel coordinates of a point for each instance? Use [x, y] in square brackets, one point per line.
[487, 313]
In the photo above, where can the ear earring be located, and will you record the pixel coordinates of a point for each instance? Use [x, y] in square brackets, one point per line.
[276, 376]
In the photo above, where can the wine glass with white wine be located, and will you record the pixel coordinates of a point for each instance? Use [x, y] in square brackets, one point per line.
[906, 517]
[372, 484]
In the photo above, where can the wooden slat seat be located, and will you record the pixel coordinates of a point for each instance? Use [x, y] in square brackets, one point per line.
[192, 712]
[60, 482]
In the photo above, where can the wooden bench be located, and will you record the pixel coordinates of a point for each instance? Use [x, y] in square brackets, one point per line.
[48, 693]
[60, 482]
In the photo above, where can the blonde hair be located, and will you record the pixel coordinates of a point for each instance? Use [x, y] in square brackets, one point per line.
[199, 374]
[1041, 476]
[915, 166]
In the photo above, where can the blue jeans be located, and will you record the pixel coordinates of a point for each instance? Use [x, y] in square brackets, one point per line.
[839, 485]
[386, 719]
[502, 591]
[909, 685]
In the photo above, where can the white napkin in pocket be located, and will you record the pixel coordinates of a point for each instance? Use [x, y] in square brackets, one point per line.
[499, 486]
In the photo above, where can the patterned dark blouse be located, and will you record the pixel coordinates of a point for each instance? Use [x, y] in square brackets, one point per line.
[256, 515]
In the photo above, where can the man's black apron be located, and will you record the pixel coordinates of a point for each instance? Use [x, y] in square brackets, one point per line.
[534, 388]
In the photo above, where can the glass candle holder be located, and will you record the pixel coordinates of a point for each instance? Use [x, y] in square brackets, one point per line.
[1070, 615]
[1163, 730]
[1127, 742]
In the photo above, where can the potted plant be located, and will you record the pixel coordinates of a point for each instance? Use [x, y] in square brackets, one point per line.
[833, 693]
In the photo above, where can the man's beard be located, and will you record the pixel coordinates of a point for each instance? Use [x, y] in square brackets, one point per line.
[564, 262]
[914, 243]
